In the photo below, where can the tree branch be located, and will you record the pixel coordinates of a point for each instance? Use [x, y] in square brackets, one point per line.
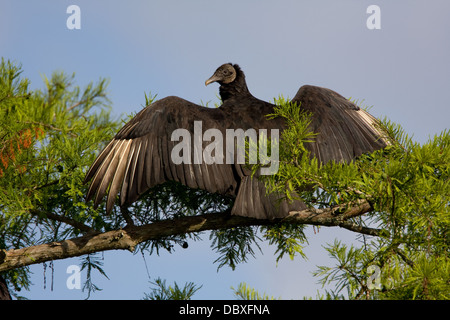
[130, 236]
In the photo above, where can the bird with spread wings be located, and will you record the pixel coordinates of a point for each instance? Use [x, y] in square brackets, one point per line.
[139, 156]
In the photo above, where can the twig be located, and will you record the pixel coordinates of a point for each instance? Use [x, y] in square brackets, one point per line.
[78, 225]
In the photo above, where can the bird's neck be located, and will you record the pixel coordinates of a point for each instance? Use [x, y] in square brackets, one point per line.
[238, 88]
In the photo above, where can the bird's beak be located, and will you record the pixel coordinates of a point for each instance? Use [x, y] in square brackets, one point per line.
[214, 78]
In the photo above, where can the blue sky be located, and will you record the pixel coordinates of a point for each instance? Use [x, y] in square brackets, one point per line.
[172, 47]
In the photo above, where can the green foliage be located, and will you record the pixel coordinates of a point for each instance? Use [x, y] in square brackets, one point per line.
[295, 164]
[48, 138]
[161, 291]
[397, 275]
[164, 292]
[350, 272]
[172, 200]
[245, 292]
[91, 263]
[287, 238]
[234, 245]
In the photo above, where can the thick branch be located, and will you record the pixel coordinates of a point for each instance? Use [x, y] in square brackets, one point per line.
[130, 236]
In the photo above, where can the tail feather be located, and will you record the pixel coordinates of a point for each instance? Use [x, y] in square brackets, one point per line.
[253, 201]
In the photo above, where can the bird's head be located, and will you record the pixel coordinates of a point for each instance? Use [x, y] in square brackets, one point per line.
[225, 74]
[232, 81]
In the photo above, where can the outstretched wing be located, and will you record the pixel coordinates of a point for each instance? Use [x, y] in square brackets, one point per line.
[139, 156]
[344, 131]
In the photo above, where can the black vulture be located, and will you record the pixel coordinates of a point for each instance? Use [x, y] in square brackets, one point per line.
[140, 155]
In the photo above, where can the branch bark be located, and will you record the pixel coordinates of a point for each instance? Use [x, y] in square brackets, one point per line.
[130, 236]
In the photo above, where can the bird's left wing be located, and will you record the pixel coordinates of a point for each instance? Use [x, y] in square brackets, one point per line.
[344, 131]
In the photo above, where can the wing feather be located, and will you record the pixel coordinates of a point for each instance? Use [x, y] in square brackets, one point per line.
[99, 161]
[118, 174]
[344, 130]
[132, 185]
[108, 175]
[125, 184]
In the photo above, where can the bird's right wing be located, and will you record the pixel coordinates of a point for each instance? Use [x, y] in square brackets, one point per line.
[140, 155]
